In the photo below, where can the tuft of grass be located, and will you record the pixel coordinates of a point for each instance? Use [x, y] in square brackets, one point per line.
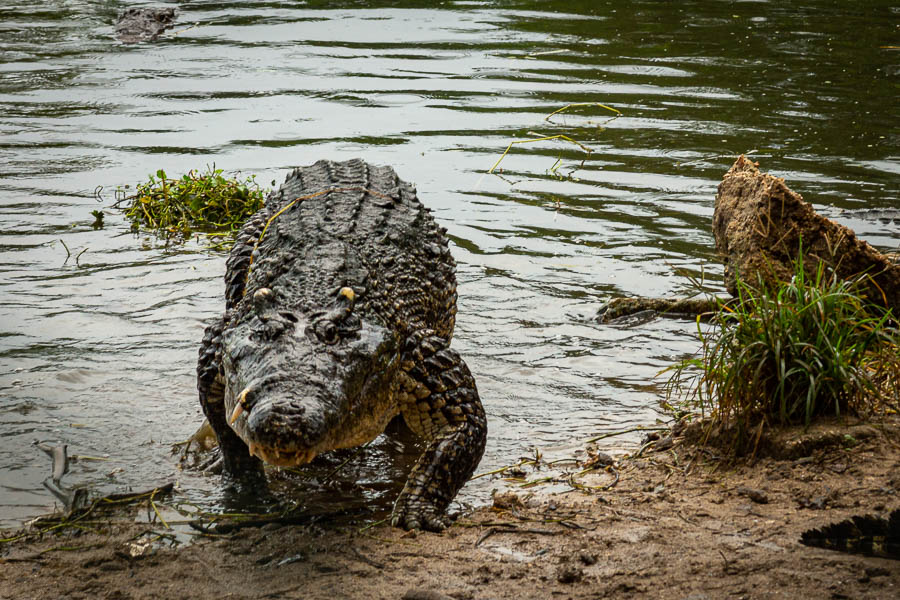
[787, 353]
[198, 201]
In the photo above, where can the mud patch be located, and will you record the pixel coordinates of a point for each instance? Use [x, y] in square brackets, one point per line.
[680, 523]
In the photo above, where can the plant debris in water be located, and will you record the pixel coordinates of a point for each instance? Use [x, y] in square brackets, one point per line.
[544, 138]
[206, 202]
[787, 353]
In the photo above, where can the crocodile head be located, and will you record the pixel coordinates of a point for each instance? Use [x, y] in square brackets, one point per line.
[300, 382]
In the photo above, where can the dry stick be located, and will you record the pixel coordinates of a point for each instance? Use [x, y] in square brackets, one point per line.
[649, 444]
[624, 431]
[158, 516]
[568, 106]
[371, 525]
[512, 529]
[174, 33]
[521, 463]
[561, 50]
[365, 559]
[558, 136]
[77, 457]
[528, 484]
[284, 519]
[68, 252]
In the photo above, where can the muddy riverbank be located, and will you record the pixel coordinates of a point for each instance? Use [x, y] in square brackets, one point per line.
[678, 523]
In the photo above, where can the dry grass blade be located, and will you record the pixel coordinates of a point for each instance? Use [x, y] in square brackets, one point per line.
[580, 104]
[539, 139]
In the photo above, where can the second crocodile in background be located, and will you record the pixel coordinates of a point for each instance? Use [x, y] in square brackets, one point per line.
[340, 304]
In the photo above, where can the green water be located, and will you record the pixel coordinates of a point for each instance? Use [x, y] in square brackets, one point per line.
[99, 352]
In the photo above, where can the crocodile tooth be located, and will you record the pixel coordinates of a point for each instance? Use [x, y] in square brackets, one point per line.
[238, 409]
[252, 447]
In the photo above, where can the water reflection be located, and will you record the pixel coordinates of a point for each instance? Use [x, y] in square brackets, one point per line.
[99, 352]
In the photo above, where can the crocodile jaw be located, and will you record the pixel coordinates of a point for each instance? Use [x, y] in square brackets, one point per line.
[281, 458]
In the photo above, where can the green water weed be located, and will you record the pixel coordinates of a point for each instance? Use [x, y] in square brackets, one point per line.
[207, 202]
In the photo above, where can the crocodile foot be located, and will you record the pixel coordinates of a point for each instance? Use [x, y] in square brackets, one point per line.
[412, 513]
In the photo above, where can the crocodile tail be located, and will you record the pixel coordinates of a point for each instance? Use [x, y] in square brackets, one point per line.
[869, 535]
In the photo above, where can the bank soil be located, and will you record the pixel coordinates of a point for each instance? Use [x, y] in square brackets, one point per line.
[678, 523]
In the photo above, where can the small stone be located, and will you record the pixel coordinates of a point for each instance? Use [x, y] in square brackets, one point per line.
[425, 595]
[569, 574]
[877, 572]
[664, 444]
[758, 496]
[507, 501]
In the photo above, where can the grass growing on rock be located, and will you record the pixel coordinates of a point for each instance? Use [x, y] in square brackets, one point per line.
[206, 202]
[787, 353]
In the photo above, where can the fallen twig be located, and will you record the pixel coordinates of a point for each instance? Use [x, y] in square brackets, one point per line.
[512, 529]
[578, 104]
[596, 488]
[365, 559]
[545, 138]
[623, 432]
[68, 252]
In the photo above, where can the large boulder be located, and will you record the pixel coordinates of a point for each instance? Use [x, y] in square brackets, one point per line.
[759, 225]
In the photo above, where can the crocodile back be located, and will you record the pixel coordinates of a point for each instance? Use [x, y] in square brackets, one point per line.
[352, 224]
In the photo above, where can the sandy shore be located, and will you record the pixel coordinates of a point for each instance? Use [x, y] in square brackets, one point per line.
[678, 523]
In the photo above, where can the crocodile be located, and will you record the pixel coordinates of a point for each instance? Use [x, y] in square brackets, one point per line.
[144, 23]
[340, 304]
[870, 535]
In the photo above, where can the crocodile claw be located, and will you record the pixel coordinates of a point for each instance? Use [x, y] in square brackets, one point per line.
[425, 520]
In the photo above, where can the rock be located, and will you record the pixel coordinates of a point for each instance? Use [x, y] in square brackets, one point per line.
[758, 226]
[664, 444]
[143, 24]
[758, 496]
[598, 460]
[425, 595]
[507, 501]
[569, 574]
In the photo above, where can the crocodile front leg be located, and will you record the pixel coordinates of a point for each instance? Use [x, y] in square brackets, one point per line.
[440, 403]
[237, 460]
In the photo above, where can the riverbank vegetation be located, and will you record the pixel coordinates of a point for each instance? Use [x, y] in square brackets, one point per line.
[205, 202]
[784, 354]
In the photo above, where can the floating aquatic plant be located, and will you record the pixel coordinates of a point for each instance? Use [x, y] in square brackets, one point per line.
[206, 202]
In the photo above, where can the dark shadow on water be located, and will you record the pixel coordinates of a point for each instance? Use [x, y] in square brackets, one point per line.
[348, 482]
